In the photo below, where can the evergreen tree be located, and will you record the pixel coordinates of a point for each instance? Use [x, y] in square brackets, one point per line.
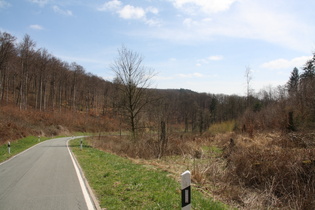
[309, 68]
[293, 81]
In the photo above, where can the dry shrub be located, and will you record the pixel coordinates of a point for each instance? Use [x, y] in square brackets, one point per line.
[146, 147]
[270, 118]
[286, 175]
[198, 175]
[268, 171]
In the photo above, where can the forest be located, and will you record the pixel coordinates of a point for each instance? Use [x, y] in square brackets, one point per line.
[33, 79]
[259, 138]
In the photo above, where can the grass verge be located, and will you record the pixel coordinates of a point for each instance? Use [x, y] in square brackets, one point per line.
[18, 146]
[121, 184]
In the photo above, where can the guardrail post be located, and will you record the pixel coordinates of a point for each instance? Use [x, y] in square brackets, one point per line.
[186, 190]
[9, 147]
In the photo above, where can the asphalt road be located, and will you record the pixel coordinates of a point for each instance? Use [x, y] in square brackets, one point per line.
[41, 178]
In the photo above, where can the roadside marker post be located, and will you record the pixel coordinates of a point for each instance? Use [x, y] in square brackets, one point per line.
[9, 147]
[186, 190]
[81, 144]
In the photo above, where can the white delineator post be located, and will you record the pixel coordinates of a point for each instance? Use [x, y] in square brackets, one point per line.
[81, 144]
[186, 190]
[9, 147]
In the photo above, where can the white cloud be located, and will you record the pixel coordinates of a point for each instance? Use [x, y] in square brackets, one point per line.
[267, 21]
[36, 27]
[197, 24]
[61, 11]
[131, 12]
[215, 57]
[285, 63]
[40, 2]
[152, 22]
[188, 22]
[152, 10]
[111, 5]
[206, 6]
[4, 4]
[200, 62]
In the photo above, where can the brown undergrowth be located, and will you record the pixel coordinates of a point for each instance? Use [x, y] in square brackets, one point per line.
[267, 171]
[16, 123]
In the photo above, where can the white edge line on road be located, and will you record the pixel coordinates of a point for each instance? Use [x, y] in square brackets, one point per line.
[86, 195]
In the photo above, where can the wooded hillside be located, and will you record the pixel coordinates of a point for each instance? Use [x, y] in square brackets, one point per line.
[33, 79]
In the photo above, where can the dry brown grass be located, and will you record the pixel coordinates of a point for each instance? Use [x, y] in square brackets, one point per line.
[270, 170]
[279, 168]
[146, 148]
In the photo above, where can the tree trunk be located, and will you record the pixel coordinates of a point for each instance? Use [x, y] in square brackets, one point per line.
[163, 140]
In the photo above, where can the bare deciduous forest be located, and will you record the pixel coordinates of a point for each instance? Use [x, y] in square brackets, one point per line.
[253, 151]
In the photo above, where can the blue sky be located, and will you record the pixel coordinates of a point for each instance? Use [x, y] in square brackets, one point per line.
[202, 45]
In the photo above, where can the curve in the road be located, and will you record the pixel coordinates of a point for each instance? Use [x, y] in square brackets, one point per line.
[43, 177]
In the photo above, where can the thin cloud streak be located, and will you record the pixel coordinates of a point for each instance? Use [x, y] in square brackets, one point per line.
[41, 3]
[62, 11]
[36, 27]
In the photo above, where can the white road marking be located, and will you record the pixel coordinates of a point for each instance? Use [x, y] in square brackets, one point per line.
[82, 184]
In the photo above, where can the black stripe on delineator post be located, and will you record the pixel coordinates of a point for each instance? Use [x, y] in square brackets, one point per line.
[9, 148]
[186, 196]
[186, 190]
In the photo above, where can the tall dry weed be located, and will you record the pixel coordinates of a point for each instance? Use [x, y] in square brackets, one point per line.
[286, 175]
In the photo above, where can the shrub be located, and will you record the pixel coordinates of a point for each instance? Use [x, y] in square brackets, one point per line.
[287, 174]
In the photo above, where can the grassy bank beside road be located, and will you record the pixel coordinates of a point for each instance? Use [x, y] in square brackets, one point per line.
[121, 184]
[18, 146]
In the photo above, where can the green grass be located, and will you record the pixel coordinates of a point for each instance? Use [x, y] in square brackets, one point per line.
[84, 134]
[223, 127]
[120, 184]
[212, 149]
[18, 146]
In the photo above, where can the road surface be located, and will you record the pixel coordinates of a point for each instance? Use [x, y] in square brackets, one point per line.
[43, 177]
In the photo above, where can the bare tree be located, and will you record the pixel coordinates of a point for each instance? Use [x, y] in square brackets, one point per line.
[249, 78]
[133, 80]
[7, 49]
[26, 51]
[43, 59]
